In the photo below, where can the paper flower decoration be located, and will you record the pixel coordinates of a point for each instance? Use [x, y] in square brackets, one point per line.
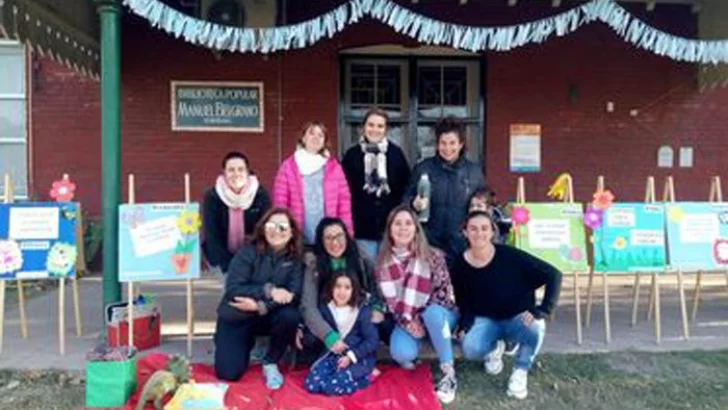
[620, 243]
[557, 190]
[576, 255]
[720, 251]
[189, 222]
[675, 214]
[603, 199]
[63, 190]
[520, 215]
[593, 217]
[133, 217]
[11, 258]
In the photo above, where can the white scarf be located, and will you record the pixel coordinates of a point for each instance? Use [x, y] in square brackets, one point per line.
[375, 159]
[244, 199]
[345, 318]
[309, 163]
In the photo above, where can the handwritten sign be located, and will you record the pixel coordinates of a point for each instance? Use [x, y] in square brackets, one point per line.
[554, 232]
[630, 239]
[38, 240]
[697, 235]
[215, 106]
[159, 242]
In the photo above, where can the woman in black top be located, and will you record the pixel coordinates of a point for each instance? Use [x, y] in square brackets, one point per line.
[377, 172]
[262, 292]
[495, 289]
[231, 209]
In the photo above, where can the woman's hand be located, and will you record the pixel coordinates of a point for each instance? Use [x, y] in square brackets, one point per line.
[527, 318]
[344, 362]
[299, 339]
[415, 328]
[419, 203]
[377, 317]
[339, 347]
[281, 296]
[245, 304]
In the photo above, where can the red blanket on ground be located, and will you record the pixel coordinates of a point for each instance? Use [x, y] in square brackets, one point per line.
[394, 389]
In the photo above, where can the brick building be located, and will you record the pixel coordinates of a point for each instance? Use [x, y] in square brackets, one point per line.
[605, 106]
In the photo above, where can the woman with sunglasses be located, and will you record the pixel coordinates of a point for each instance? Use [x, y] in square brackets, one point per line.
[336, 252]
[262, 293]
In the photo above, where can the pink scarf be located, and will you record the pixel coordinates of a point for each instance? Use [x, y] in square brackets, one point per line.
[236, 203]
[406, 284]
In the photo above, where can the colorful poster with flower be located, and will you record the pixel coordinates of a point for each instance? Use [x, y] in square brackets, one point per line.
[553, 232]
[627, 237]
[37, 240]
[697, 236]
[159, 241]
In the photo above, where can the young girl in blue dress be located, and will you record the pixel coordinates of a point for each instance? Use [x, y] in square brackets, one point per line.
[343, 374]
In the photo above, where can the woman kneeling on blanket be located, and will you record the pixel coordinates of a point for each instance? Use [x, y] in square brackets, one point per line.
[415, 284]
[261, 297]
[343, 373]
[495, 289]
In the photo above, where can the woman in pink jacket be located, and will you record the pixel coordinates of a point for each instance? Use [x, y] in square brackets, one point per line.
[312, 184]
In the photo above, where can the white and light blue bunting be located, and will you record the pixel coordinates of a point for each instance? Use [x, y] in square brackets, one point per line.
[429, 31]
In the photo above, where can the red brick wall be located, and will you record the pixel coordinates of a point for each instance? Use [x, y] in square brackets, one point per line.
[527, 85]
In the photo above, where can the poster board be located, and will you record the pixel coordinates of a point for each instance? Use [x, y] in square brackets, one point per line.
[630, 237]
[38, 240]
[159, 241]
[697, 235]
[553, 232]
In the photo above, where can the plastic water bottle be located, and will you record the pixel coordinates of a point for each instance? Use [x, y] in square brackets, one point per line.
[424, 188]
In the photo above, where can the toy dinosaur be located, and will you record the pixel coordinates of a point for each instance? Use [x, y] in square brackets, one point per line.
[165, 381]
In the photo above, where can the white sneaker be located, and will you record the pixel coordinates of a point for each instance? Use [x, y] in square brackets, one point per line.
[447, 388]
[494, 359]
[518, 384]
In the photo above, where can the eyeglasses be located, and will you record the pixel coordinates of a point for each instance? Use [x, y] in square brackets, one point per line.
[280, 227]
[339, 237]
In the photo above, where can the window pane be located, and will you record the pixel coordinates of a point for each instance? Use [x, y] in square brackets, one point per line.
[362, 84]
[13, 161]
[455, 85]
[12, 119]
[388, 85]
[430, 85]
[12, 75]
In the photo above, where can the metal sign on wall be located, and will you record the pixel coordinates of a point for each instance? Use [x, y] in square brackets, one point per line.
[217, 106]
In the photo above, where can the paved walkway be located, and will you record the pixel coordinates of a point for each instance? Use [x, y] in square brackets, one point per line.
[40, 350]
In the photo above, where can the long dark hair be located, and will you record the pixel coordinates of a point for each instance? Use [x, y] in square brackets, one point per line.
[354, 263]
[357, 294]
[294, 249]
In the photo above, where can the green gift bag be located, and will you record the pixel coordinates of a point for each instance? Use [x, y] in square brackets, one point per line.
[110, 384]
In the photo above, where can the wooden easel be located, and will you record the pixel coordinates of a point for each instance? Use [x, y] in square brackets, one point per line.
[668, 196]
[190, 289]
[568, 198]
[716, 195]
[9, 198]
[605, 286]
[654, 299]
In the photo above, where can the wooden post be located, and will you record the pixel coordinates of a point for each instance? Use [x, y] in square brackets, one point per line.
[590, 285]
[80, 267]
[569, 198]
[130, 284]
[62, 315]
[190, 307]
[670, 187]
[8, 199]
[649, 199]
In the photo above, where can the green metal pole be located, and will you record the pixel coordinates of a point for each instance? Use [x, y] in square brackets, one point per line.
[110, 15]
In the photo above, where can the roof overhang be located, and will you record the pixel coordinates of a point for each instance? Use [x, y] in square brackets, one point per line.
[66, 31]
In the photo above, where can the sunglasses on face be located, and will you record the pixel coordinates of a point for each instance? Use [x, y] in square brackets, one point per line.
[280, 227]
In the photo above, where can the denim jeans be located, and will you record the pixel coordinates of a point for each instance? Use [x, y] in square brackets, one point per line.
[369, 247]
[440, 323]
[482, 337]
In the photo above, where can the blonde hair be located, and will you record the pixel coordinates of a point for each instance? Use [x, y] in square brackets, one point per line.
[420, 247]
[325, 149]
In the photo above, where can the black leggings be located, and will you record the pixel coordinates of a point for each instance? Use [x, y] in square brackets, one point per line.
[235, 340]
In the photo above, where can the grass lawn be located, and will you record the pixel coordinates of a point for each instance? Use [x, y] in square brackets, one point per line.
[622, 381]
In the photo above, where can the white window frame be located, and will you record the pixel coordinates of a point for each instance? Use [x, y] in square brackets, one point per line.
[23, 140]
